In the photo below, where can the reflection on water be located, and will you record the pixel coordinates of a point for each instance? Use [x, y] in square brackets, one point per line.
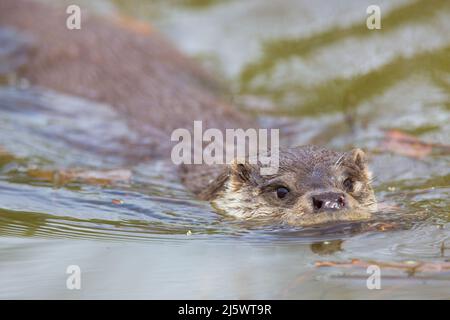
[144, 236]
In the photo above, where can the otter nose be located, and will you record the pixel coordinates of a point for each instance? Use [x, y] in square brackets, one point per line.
[328, 201]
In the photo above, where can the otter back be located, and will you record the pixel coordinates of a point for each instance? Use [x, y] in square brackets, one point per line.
[144, 78]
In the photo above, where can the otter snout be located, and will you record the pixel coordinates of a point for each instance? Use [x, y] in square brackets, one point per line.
[328, 201]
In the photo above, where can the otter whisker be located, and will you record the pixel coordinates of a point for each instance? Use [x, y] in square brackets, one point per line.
[338, 163]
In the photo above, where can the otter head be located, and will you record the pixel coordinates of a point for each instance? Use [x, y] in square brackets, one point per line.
[312, 186]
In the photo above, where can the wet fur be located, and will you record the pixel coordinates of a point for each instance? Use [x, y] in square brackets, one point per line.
[304, 170]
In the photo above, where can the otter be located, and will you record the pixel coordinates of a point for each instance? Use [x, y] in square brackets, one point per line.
[312, 186]
[156, 89]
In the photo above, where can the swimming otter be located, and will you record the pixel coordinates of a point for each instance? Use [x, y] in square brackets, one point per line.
[313, 185]
[156, 89]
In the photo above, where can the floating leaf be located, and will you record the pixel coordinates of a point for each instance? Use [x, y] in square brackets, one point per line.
[117, 201]
[405, 144]
[409, 266]
[62, 177]
[132, 24]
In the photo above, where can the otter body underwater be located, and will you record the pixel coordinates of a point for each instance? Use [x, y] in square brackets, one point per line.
[157, 90]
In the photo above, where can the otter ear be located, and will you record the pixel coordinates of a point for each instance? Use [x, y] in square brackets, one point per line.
[358, 157]
[241, 170]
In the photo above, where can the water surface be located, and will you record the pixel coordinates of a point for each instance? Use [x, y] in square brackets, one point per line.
[310, 67]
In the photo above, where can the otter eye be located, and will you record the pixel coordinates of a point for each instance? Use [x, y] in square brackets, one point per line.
[348, 184]
[282, 192]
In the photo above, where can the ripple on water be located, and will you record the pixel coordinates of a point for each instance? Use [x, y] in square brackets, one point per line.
[400, 80]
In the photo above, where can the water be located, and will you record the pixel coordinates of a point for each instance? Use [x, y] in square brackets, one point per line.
[310, 67]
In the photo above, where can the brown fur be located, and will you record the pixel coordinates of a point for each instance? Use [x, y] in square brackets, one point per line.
[305, 171]
[141, 76]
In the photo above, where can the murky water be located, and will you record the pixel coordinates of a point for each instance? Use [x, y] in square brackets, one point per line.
[309, 66]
